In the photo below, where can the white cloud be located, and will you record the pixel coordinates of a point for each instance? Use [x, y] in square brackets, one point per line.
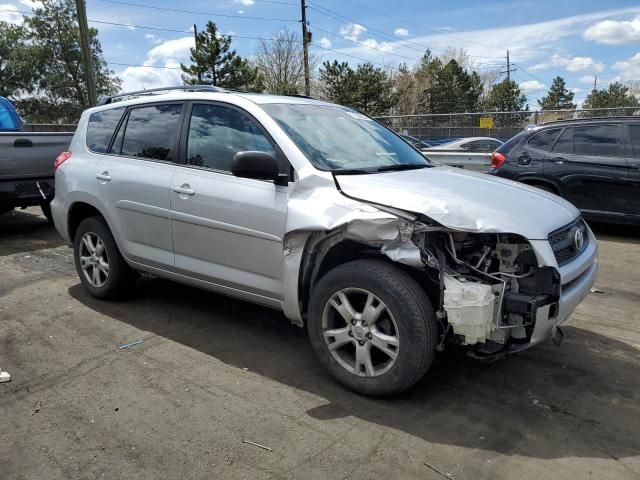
[401, 32]
[532, 85]
[614, 32]
[10, 14]
[529, 43]
[572, 64]
[629, 69]
[168, 54]
[33, 4]
[351, 31]
[153, 39]
[246, 3]
[240, 12]
[325, 42]
[587, 79]
[371, 43]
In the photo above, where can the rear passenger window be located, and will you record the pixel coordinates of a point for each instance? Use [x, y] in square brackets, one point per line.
[217, 133]
[544, 140]
[101, 127]
[151, 132]
[565, 142]
[596, 140]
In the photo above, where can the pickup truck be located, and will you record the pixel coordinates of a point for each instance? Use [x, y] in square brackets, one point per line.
[26, 162]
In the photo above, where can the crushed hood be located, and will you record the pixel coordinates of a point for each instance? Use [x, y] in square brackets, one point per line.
[463, 200]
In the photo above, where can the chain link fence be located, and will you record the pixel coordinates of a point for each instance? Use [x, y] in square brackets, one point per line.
[440, 128]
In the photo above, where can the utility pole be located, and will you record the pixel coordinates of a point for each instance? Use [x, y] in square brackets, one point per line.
[306, 39]
[195, 36]
[86, 51]
[509, 69]
[595, 83]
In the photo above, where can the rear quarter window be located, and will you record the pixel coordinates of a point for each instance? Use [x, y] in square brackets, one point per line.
[101, 127]
[507, 146]
[544, 139]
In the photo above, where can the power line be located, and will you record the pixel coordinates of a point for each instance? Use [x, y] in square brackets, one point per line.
[386, 15]
[405, 43]
[195, 12]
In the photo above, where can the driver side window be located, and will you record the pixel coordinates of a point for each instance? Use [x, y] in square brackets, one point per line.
[217, 133]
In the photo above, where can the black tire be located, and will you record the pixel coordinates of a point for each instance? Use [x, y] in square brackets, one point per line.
[120, 277]
[46, 211]
[406, 302]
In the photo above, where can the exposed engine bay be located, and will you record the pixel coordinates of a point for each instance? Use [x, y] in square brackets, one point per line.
[491, 288]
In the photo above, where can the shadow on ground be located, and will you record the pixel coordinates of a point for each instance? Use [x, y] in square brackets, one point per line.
[26, 230]
[580, 400]
[616, 233]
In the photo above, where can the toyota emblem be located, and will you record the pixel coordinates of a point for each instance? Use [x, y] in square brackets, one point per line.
[578, 239]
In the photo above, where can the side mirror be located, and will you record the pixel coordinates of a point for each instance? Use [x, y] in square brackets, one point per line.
[256, 165]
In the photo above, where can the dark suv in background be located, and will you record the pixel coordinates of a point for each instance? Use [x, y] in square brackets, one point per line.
[593, 163]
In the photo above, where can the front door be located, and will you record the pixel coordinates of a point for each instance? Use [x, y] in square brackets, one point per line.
[633, 200]
[227, 230]
[133, 183]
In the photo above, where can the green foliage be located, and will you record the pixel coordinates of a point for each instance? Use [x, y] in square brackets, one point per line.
[15, 65]
[367, 89]
[213, 62]
[615, 96]
[55, 79]
[505, 97]
[340, 83]
[558, 97]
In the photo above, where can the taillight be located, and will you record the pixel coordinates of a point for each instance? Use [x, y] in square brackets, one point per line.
[497, 159]
[63, 157]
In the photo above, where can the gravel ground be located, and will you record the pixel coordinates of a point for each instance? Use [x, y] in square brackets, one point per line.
[213, 372]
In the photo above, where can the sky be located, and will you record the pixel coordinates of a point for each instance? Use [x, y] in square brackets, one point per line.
[576, 39]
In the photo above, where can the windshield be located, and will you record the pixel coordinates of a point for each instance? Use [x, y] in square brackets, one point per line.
[341, 140]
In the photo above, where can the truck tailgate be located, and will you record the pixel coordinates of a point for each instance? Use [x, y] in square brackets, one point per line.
[26, 155]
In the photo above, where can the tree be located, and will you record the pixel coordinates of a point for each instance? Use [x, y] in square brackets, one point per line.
[280, 62]
[214, 63]
[16, 69]
[340, 83]
[558, 97]
[615, 96]
[373, 90]
[53, 85]
[455, 90]
[505, 97]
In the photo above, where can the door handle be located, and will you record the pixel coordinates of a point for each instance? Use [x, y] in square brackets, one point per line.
[635, 166]
[558, 160]
[23, 142]
[185, 189]
[104, 176]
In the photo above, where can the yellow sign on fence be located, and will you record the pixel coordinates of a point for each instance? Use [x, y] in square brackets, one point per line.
[486, 122]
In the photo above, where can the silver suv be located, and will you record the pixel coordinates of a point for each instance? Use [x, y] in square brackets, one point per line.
[327, 215]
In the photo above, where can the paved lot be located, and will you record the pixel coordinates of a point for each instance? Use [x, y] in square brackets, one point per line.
[213, 372]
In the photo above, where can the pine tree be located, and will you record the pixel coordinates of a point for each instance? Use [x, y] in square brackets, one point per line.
[213, 62]
[505, 97]
[558, 97]
[373, 90]
[616, 95]
[340, 83]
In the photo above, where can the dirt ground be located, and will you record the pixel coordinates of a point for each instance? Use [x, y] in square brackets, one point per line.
[213, 372]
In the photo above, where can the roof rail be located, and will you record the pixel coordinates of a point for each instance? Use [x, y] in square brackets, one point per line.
[591, 119]
[140, 93]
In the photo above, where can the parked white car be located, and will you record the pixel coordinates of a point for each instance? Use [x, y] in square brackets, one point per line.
[327, 215]
[473, 153]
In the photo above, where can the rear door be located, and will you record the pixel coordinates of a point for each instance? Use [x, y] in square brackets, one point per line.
[589, 161]
[633, 200]
[133, 182]
[227, 230]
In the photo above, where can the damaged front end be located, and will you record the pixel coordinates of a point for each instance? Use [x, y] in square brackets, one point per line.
[492, 290]
[487, 288]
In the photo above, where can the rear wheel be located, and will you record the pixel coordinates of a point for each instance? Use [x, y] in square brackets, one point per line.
[372, 327]
[102, 269]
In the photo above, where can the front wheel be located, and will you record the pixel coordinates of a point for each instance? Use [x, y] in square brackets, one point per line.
[372, 327]
[102, 269]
